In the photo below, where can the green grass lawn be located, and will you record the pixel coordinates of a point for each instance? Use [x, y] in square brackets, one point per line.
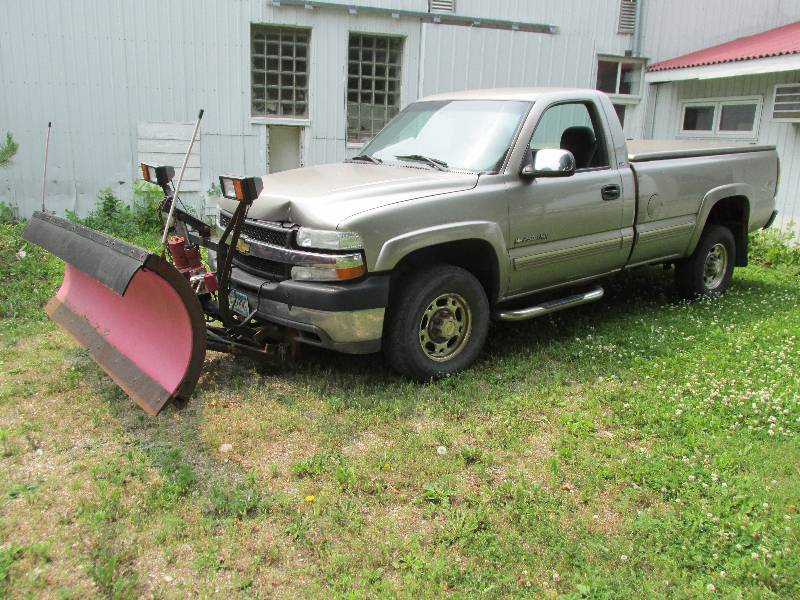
[637, 447]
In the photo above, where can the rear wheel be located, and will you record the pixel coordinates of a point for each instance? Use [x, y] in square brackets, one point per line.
[437, 323]
[708, 271]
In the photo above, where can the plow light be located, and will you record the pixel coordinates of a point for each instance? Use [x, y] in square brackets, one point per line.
[241, 189]
[159, 175]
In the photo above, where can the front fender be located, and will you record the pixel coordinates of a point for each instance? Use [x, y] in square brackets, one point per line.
[395, 249]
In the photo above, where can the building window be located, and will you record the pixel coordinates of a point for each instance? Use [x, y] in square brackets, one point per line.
[618, 76]
[721, 117]
[373, 84]
[620, 110]
[279, 71]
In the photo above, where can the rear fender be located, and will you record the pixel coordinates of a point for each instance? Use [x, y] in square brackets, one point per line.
[710, 199]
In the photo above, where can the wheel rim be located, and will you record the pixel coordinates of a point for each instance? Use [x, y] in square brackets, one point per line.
[445, 327]
[715, 267]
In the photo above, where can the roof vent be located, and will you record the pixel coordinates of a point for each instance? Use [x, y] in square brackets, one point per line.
[442, 6]
[786, 107]
[627, 16]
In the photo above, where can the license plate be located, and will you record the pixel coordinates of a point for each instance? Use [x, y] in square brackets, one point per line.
[238, 303]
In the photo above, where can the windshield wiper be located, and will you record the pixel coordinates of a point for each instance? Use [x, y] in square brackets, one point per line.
[367, 158]
[434, 162]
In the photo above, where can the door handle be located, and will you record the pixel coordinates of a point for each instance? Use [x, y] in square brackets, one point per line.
[610, 192]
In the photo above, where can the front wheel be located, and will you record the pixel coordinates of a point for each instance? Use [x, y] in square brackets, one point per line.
[708, 271]
[437, 323]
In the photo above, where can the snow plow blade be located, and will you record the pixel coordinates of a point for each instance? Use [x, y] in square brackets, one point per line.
[134, 313]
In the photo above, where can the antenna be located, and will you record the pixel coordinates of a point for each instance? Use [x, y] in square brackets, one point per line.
[178, 187]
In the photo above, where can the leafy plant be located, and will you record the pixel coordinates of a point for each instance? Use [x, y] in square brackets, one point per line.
[244, 500]
[436, 493]
[772, 247]
[8, 214]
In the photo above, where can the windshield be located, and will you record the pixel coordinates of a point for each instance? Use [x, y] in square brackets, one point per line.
[463, 134]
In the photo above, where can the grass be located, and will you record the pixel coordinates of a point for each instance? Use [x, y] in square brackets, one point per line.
[637, 447]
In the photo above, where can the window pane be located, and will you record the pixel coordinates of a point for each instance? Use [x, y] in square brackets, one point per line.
[620, 108]
[698, 118]
[607, 76]
[369, 107]
[630, 77]
[737, 117]
[466, 134]
[283, 60]
[570, 127]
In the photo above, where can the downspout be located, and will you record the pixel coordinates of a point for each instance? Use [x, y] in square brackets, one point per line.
[637, 39]
[421, 63]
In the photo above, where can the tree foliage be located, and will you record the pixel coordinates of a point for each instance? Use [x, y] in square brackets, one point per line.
[7, 150]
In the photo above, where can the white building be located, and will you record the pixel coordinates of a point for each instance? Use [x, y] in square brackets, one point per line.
[291, 82]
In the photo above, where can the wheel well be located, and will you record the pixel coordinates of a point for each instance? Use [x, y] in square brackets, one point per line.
[734, 213]
[474, 255]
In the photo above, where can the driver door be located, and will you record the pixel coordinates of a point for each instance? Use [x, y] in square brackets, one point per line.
[567, 228]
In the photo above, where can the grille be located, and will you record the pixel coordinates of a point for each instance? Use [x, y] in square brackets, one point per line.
[262, 267]
[627, 16]
[268, 235]
[442, 6]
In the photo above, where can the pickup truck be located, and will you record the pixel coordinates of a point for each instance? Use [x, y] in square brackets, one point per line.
[499, 204]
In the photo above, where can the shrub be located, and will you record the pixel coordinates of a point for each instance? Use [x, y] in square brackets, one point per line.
[8, 214]
[770, 247]
[139, 223]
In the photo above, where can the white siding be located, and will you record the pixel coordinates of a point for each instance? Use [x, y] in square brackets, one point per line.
[676, 27]
[785, 136]
[98, 69]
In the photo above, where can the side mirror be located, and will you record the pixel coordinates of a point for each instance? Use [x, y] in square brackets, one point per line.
[548, 162]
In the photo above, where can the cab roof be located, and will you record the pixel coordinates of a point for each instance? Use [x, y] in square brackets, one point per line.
[527, 94]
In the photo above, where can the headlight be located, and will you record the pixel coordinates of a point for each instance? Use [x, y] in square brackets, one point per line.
[340, 268]
[322, 239]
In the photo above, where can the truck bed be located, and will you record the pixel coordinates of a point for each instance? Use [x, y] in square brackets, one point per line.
[644, 150]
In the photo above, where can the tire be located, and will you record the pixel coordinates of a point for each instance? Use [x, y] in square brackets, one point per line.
[436, 323]
[708, 271]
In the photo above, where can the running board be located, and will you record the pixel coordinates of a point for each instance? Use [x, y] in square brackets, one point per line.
[550, 306]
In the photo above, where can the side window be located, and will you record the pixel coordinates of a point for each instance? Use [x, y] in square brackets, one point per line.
[573, 127]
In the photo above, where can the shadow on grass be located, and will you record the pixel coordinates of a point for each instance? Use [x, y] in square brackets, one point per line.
[538, 353]
[636, 302]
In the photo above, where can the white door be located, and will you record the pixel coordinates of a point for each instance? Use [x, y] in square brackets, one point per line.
[284, 147]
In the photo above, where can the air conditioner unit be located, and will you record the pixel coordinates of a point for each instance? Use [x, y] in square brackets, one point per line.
[786, 107]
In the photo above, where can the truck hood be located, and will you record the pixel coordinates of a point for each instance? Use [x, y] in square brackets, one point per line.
[325, 195]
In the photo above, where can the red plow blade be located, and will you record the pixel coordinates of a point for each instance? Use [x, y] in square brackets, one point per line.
[134, 313]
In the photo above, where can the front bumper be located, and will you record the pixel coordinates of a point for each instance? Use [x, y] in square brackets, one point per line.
[347, 316]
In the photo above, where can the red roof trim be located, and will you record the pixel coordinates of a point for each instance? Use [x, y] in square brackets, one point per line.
[775, 42]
